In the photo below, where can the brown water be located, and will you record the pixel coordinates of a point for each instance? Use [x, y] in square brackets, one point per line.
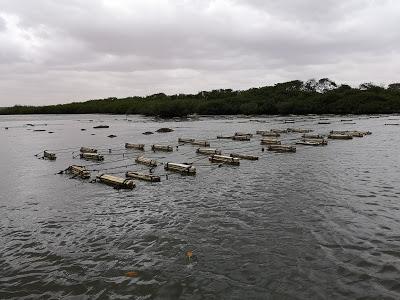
[322, 223]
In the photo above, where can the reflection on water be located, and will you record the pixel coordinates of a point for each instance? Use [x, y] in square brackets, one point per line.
[320, 223]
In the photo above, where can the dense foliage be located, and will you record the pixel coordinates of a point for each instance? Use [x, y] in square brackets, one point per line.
[294, 97]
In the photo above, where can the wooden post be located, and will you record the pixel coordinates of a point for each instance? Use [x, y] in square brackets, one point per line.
[141, 176]
[117, 182]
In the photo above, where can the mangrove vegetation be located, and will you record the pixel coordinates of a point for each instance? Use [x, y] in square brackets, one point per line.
[322, 96]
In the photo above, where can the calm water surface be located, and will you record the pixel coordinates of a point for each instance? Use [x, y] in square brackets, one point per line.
[323, 223]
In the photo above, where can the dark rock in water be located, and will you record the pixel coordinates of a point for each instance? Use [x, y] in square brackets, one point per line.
[83, 129]
[148, 133]
[51, 131]
[101, 126]
[112, 136]
[39, 130]
[164, 129]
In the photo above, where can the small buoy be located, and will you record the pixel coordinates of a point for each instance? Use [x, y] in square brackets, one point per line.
[132, 274]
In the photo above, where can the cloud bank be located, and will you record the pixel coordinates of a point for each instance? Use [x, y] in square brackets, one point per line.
[62, 51]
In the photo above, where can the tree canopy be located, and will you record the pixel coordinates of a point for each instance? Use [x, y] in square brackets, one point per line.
[293, 97]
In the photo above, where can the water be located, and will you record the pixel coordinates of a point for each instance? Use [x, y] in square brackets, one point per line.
[323, 223]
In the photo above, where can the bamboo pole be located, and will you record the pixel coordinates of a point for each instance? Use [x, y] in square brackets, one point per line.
[281, 148]
[208, 151]
[79, 171]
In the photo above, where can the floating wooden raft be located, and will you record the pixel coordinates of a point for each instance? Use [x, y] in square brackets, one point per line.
[354, 133]
[281, 148]
[92, 156]
[88, 150]
[79, 171]
[340, 136]
[224, 159]
[180, 168]
[49, 155]
[242, 133]
[201, 143]
[162, 148]
[312, 136]
[185, 141]
[208, 151]
[321, 141]
[146, 161]
[309, 143]
[279, 130]
[244, 156]
[134, 146]
[115, 181]
[241, 138]
[141, 176]
[224, 137]
[270, 142]
[299, 130]
[270, 133]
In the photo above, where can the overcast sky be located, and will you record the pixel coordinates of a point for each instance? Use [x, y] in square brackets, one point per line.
[57, 51]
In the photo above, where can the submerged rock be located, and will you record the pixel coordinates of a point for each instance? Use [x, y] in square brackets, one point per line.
[164, 129]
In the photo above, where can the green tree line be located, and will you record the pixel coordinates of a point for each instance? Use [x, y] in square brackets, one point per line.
[295, 97]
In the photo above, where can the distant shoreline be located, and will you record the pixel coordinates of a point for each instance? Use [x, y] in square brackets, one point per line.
[294, 97]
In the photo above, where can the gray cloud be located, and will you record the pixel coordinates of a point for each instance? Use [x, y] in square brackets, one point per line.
[57, 51]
